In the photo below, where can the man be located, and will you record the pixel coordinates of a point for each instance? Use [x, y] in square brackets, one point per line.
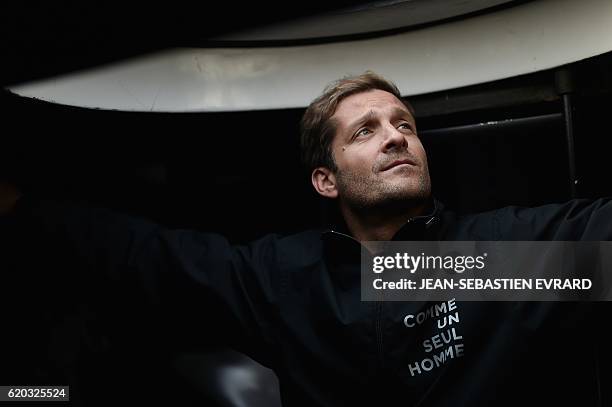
[372, 162]
[293, 303]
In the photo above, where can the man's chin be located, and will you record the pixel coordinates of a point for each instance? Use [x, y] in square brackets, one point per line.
[407, 189]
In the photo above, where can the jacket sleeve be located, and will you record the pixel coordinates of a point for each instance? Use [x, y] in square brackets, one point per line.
[578, 219]
[198, 283]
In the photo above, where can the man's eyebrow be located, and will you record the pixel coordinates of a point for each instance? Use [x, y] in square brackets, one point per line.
[363, 119]
[398, 111]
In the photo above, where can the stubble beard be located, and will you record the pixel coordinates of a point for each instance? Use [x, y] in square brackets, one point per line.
[370, 193]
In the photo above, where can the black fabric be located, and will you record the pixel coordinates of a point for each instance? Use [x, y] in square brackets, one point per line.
[293, 304]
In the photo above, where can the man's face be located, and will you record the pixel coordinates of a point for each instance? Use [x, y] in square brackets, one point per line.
[379, 157]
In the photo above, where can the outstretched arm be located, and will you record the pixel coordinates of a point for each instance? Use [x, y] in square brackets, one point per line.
[196, 281]
[578, 219]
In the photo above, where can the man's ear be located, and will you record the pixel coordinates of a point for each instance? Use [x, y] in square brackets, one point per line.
[324, 181]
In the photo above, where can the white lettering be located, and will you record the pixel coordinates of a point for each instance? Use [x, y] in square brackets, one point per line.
[406, 318]
[436, 360]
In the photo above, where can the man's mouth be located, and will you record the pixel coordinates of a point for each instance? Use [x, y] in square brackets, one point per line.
[396, 163]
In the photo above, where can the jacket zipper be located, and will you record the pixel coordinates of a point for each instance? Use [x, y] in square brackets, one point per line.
[378, 311]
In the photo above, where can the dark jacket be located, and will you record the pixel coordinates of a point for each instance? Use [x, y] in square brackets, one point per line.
[293, 304]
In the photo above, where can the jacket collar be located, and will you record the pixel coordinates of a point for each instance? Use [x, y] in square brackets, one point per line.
[339, 245]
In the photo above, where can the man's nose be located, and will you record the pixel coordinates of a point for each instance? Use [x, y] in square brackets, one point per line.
[393, 139]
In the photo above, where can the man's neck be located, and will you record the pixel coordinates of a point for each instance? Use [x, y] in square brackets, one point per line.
[379, 225]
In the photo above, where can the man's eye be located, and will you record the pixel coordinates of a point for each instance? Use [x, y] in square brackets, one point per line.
[363, 132]
[406, 126]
